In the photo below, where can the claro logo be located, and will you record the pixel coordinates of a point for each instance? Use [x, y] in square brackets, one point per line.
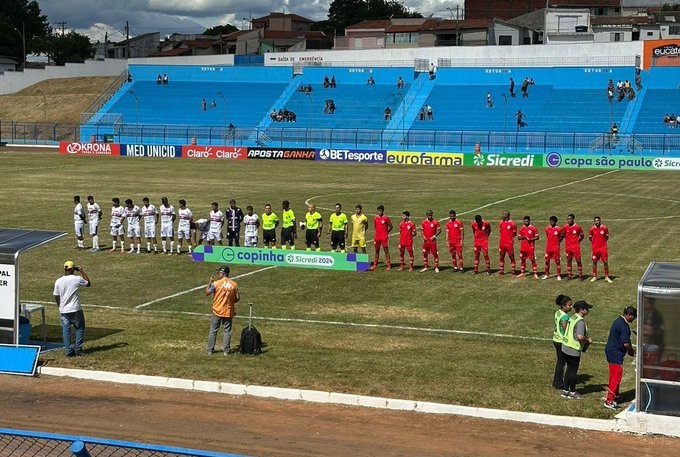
[214, 152]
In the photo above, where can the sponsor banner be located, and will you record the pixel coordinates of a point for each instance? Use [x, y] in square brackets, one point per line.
[504, 160]
[557, 160]
[215, 152]
[282, 153]
[666, 164]
[660, 53]
[8, 299]
[151, 150]
[281, 258]
[351, 155]
[440, 159]
[94, 149]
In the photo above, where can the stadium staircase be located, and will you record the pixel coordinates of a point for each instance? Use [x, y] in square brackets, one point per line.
[408, 110]
[259, 136]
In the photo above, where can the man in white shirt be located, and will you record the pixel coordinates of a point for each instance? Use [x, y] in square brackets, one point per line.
[78, 221]
[216, 223]
[252, 224]
[186, 217]
[133, 215]
[117, 218]
[167, 212]
[150, 218]
[66, 295]
[94, 215]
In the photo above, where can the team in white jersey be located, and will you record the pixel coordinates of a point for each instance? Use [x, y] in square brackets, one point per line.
[186, 218]
[167, 213]
[133, 215]
[78, 221]
[94, 215]
[251, 223]
[150, 218]
[117, 218]
[216, 223]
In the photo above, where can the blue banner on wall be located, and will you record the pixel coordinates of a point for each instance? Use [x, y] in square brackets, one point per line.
[151, 150]
[351, 155]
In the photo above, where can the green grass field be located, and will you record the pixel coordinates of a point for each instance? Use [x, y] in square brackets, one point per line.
[485, 341]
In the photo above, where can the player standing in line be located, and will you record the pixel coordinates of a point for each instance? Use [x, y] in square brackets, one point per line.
[553, 238]
[454, 236]
[234, 217]
[338, 229]
[150, 219]
[359, 226]
[78, 222]
[383, 227]
[506, 243]
[216, 223]
[94, 214]
[288, 228]
[186, 218]
[528, 234]
[269, 223]
[133, 215]
[573, 235]
[431, 229]
[168, 216]
[598, 236]
[407, 230]
[314, 224]
[117, 218]
[481, 229]
[251, 223]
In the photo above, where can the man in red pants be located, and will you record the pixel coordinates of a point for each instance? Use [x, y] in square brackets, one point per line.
[618, 345]
[431, 230]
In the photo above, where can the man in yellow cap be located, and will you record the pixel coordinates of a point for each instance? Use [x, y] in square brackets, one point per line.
[66, 295]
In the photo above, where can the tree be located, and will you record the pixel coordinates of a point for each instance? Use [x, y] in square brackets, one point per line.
[220, 30]
[21, 22]
[71, 47]
[343, 13]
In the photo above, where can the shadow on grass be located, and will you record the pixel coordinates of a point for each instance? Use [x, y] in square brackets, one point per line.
[108, 347]
[91, 333]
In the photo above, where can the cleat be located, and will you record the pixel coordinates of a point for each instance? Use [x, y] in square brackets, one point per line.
[593, 279]
[535, 275]
[564, 394]
[608, 279]
[373, 267]
[610, 405]
[455, 268]
[559, 278]
[575, 396]
[521, 275]
[436, 269]
[401, 268]
[388, 268]
[488, 273]
[501, 273]
[545, 276]
[410, 268]
[423, 270]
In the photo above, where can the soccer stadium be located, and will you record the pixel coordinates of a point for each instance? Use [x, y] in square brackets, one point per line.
[353, 360]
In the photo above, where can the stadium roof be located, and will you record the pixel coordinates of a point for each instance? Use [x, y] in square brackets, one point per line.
[15, 241]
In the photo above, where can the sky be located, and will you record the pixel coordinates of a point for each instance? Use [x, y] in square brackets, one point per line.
[96, 18]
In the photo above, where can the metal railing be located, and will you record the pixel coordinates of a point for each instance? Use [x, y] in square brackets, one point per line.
[106, 94]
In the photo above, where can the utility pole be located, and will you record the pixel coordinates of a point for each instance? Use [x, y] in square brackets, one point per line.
[62, 25]
[127, 40]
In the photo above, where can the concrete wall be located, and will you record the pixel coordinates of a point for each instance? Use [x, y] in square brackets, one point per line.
[11, 82]
[217, 59]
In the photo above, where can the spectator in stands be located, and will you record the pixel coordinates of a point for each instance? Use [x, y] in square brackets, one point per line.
[231, 131]
[129, 77]
[333, 84]
[610, 85]
[638, 80]
[512, 87]
[489, 102]
[421, 113]
[388, 113]
[610, 94]
[213, 104]
[621, 95]
[673, 121]
[400, 83]
[430, 113]
[432, 70]
[626, 85]
[619, 85]
[614, 131]
[329, 107]
[159, 79]
[520, 119]
[272, 115]
[165, 79]
[371, 81]
[204, 105]
[326, 82]
[332, 107]
[525, 88]
[631, 94]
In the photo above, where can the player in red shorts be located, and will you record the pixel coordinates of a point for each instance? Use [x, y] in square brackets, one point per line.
[383, 227]
[528, 234]
[454, 235]
[407, 230]
[598, 236]
[431, 230]
[553, 238]
[506, 243]
[573, 235]
[481, 231]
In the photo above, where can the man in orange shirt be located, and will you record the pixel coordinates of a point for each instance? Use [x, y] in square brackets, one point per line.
[225, 295]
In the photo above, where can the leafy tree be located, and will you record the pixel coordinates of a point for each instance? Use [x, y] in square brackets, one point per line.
[70, 47]
[220, 30]
[17, 18]
[343, 13]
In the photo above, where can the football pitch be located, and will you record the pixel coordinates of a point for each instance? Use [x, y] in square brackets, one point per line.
[454, 338]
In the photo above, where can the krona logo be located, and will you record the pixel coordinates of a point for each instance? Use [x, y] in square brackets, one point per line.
[75, 148]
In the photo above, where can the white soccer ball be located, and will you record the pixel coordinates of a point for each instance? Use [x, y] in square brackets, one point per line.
[303, 225]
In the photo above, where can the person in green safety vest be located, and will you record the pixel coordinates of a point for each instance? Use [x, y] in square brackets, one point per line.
[559, 327]
[575, 342]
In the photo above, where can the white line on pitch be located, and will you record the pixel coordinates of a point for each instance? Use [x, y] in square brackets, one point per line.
[144, 305]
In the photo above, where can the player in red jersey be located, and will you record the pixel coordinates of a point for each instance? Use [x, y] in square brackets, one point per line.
[454, 235]
[506, 243]
[553, 238]
[573, 235]
[383, 227]
[407, 230]
[431, 230]
[598, 236]
[528, 234]
[481, 231]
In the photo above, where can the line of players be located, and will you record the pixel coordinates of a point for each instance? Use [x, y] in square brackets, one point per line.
[210, 230]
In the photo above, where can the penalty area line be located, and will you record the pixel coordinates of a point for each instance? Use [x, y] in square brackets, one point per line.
[144, 305]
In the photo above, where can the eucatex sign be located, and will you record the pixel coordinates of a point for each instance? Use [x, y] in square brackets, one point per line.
[667, 50]
[281, 258]
[151, 150]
